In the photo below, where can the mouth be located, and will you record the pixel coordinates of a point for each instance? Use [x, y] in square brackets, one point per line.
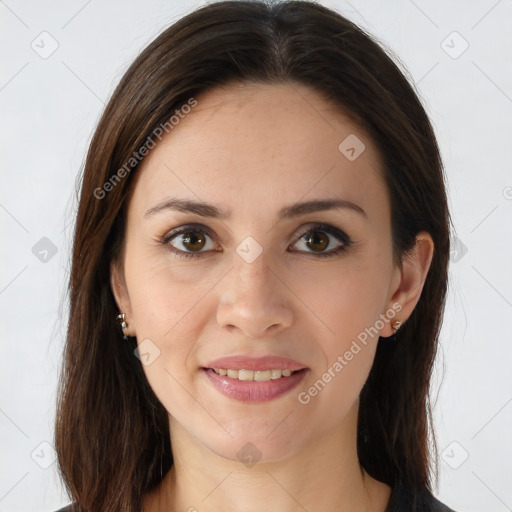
[255, 375]
[254, 379]
[246, 363]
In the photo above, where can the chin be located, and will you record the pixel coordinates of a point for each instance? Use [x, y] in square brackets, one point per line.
[251, 446]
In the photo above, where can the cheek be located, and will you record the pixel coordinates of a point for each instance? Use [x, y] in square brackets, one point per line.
[346, 304]
[344, 298]
[163, 294]
[168, 312]
[348, 350]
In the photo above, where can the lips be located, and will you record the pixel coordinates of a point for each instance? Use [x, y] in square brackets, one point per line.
[260, 381]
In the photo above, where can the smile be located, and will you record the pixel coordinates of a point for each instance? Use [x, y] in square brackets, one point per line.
[259, 375]
[254, 385]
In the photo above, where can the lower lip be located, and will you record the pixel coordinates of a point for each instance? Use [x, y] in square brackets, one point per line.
[254, 391]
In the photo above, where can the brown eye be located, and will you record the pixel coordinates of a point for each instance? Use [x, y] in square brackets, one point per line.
[193, 241]
[189, 241]
[317, 240]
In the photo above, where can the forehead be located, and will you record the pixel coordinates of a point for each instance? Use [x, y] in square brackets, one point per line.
[251, 144]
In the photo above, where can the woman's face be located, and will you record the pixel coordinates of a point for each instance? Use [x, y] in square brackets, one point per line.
[252, 282]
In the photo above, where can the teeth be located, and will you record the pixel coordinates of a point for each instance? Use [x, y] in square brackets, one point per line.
[245, 375]
[262, 375]
[258, 375]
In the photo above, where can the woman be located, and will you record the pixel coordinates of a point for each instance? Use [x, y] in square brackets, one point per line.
[263, 212]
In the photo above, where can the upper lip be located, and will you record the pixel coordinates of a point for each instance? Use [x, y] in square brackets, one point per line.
[242, 362]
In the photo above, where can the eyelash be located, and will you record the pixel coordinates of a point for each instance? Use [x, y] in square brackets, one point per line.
[325, 228]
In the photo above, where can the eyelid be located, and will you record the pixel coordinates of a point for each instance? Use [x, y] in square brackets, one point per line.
[322, 226]
[187, 228]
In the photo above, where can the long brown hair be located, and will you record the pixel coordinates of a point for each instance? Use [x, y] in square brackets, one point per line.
[112, 433]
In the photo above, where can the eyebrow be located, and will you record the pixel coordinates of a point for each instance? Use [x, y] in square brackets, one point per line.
[288, 212]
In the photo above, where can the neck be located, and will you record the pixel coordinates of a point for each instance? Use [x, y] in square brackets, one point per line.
[324, 475]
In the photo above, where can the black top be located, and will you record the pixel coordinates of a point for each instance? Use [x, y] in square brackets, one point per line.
[400, 501]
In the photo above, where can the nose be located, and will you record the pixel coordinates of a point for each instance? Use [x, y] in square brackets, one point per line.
[254, 300]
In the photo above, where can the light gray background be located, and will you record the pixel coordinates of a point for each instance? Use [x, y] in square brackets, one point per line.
[49, 108]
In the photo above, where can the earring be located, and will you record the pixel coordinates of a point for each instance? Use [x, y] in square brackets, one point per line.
[396, 325]
[121, 319]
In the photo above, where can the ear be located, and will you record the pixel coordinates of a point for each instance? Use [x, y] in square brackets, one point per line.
[120, 292]
[409, 280]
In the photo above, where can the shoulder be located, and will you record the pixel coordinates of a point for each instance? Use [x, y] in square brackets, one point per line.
[403, 499]
[437, 506]
[67, 508]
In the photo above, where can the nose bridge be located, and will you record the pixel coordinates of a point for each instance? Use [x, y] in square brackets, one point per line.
[252, 297]
[253, 280]
[251, 264]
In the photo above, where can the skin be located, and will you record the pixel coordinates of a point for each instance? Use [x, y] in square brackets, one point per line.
[253, 149]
